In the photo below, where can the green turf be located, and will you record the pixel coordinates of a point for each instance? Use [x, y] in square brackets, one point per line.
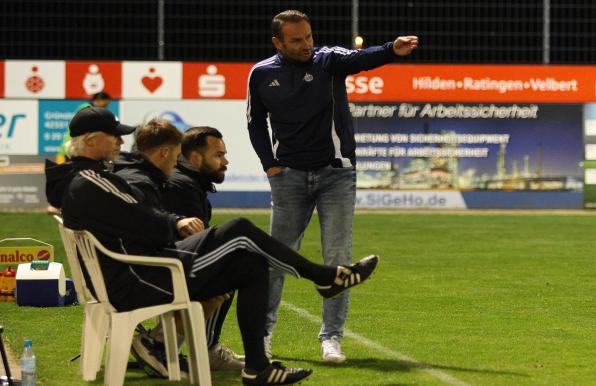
[469, 299]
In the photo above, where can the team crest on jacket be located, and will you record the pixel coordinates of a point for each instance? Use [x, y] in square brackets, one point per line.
[308, 77]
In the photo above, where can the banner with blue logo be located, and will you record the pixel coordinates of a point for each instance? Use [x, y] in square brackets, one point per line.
[18, 126]
[245, 173]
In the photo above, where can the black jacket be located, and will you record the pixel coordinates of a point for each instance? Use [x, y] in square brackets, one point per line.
[115, 212]
[186, 192]
[307, 106]
[139, 172]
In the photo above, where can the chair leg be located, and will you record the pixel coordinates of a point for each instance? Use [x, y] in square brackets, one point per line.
[86, 372]
[95, 327]
[194, 326]
[103, 326]
[171, 343]
[120, 340]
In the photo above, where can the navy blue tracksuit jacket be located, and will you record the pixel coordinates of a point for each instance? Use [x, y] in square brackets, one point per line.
[307, 106]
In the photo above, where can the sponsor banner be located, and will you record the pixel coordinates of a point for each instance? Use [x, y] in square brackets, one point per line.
[34, 79]
[482, 146]
[22, 182]
[18, 126]
[433, 200]
[87, 78]
[215, 80]
[412, 199]
[471, 83]
[395, 82]
[12, 256]
[1, 79]
[54, 117]
[151, 80]
[409, 199]
[244, 171]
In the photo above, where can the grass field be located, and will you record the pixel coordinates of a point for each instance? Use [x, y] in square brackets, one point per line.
[480, 299]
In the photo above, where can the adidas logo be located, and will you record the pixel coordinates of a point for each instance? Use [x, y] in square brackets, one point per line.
[274, 83]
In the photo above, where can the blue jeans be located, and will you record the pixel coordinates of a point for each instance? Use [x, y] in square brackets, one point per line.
[295, 194]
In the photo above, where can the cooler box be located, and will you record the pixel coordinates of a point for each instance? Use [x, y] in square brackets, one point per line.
[42, 288]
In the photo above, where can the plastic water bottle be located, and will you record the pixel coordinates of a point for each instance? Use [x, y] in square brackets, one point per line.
[28, 365]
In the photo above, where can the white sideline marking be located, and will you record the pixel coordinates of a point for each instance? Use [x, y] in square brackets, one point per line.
[440, 375]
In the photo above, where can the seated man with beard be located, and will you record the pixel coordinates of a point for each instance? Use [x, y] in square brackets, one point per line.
[202, 163]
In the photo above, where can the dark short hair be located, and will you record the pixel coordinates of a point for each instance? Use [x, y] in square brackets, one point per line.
[100, 95]
[195, 138]
[157, 132]
[291, 16]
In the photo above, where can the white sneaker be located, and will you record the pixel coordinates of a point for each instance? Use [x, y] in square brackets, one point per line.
[267, 343]
[331, 350]
[222, 358]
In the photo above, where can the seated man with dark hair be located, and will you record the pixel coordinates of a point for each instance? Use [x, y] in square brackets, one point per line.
[232, 257]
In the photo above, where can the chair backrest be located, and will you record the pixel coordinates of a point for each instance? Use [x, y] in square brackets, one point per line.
[70, 247]
[87, 246]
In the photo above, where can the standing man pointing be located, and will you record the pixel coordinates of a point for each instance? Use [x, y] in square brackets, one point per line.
[310, 161]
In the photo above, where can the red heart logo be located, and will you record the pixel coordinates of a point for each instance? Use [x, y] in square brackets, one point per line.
[152, 84]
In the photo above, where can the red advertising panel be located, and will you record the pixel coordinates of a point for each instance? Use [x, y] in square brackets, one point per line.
[475, 83]
[215, 80]
[86, 78]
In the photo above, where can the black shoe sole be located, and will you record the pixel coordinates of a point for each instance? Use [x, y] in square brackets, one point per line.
[335, 290]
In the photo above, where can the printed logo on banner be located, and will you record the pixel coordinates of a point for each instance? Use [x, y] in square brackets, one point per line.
[87, 78]
[469, 83]
[34, 79]
[174, 117]
[18, 127]
[212, 85]
[152, 80]
[363, 84]
[54, 117]
[412, 199]
[244, 172]
[215, 80]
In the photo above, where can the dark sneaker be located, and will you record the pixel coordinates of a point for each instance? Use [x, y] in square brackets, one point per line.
[350, 276]
[275, 374]
[151, 356]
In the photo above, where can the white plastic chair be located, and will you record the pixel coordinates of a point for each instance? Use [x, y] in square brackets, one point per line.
[95, 318]
[122, 324]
